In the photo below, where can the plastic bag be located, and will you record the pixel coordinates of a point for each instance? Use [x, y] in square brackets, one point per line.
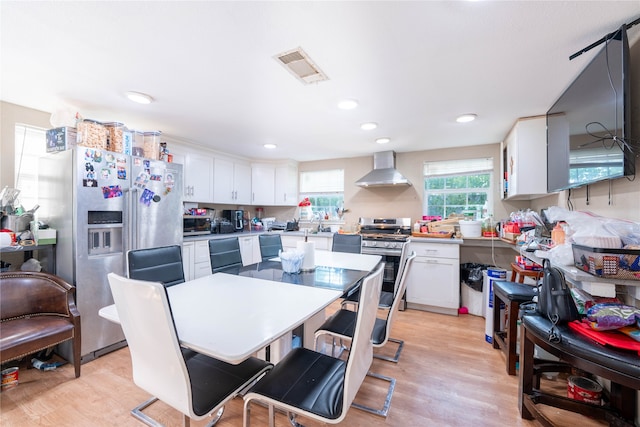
[31, 264]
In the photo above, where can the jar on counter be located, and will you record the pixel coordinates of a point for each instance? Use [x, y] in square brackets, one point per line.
[152, 145]
[92, 134]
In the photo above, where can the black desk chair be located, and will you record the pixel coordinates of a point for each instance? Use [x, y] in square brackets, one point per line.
[351, 243]
[163, 264]
[270, 245]
[224, 253]
[316, 385]
[196, 385]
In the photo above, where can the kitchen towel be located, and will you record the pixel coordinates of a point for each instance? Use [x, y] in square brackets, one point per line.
[309, 249]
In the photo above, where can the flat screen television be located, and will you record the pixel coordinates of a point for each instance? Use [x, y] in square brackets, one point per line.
[588, 128]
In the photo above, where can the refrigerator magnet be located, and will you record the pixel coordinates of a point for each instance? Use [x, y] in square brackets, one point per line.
[122, 172]
[141, 180]
[111, 191]
[146, 197]
[105, 173]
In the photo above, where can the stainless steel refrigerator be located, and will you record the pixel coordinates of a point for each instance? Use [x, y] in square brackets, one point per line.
[102, 205]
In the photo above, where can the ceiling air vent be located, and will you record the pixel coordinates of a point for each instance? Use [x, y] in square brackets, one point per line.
[300, 65]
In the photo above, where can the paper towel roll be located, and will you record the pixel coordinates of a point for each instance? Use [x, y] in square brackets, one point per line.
[309, 249]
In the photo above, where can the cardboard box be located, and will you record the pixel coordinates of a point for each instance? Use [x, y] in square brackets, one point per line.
[60, 139]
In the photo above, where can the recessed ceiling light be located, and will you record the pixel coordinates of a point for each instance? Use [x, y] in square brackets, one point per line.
[347, 104]
[368, 126]
[384, 140]
[466, 118]
[270, 146]
[140, 98]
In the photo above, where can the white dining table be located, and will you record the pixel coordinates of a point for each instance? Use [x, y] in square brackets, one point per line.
[232, 317]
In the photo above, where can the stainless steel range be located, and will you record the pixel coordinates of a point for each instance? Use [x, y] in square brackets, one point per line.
[386, 237]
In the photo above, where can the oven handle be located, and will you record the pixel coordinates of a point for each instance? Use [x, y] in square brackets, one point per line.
[379, 251]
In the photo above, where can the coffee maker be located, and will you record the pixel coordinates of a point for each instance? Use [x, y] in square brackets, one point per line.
[235, 217]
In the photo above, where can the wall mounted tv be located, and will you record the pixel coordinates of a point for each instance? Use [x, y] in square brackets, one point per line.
[588, 128]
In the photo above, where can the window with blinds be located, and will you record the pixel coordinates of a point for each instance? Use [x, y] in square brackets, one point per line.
[325, 190]
[457, 186]
[30, 144]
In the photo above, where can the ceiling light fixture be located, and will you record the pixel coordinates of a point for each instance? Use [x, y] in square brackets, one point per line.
[368, 126]
[466, 118]
[270, 146]
[383, 140]
[347, 104]
[140, 98]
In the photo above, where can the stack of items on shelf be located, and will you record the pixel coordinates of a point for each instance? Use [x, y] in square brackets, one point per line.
[108, 136]
[604, 247]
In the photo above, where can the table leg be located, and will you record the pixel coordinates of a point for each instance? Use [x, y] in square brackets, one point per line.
[525, 384]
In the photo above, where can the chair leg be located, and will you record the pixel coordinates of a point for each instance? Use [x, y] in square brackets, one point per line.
[396, 357]
[141, 416]
[387, 402]
[137, 413]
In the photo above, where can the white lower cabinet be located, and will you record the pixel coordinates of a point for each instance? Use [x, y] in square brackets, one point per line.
[433, 283]
[249, 249]
[188, 249]
[202, 261]
[195, 259]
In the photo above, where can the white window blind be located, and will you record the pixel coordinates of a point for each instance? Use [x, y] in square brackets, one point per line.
[324, 181]
[457, 167]
[30, 144]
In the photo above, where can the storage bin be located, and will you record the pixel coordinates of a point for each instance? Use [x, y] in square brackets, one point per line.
[138, 144]
[115, 136]
[60, 139]
[152, 145]
[608, 263]
[92, 134]
[470, 228]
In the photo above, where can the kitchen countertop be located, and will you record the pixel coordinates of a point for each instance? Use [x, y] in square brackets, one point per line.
[326, 234]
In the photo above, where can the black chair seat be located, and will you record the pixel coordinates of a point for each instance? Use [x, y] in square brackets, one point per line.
[514, 291]
[212, 380]
[386, 299]
[307, 380]
[343, 322]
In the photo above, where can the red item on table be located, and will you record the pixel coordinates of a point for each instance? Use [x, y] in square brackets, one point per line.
[612, 338]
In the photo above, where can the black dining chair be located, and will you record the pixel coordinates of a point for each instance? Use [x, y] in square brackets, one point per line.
[351, 243]
[224, 253]
[192, 383]
[163, 264]
[270, 245]
[316, 385]
[341, 325]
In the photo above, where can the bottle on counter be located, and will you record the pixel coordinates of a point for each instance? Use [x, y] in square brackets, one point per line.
[557, 234]
[416, 227]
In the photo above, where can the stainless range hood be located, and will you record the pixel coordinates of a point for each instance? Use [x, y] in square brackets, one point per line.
[384, 173]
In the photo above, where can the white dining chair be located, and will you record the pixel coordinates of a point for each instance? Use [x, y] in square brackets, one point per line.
[194, 384]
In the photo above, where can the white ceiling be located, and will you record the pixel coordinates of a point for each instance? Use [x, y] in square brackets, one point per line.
[413, 67]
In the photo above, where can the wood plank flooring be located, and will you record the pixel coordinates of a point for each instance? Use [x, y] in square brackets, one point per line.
[447, 376]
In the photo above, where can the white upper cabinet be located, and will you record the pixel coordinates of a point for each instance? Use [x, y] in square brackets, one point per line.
[286, 189]
[524, 162]
[198, 174]
[263, 184]
[231, 181]
[274, 184]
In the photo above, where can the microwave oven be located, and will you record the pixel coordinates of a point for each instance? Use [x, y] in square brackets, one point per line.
[193, 225]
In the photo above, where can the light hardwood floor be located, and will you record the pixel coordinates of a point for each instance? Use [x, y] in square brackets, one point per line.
[447, 376]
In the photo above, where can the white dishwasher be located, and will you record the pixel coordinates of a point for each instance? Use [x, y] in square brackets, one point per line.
[433, 283]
